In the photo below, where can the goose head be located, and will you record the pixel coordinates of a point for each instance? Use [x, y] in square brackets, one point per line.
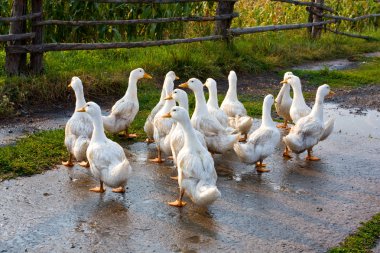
[210, 83]
[177, 113]
[293, 80]
[178, 95]
[268, 100]
[171, 76]
[193, 84]
[76, 84]
[139, 73]
[324, 90]
[92, 109]
[232, 77]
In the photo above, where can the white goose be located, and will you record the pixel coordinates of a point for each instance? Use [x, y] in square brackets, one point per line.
[212, 103]
[176, 135]
[217, 137]
[309, 130]
[196, 172]
[125, 110]
[299, 108]
[148, 126]
[284, 102]
[235, 110]
[162, 126]
[231, 105]
[107, 158]
[262, 142]
[78, 129]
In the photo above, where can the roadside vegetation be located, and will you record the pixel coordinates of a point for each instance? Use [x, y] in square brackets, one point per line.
[363, 240]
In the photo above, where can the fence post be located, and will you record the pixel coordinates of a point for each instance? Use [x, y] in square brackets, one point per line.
[316, 31]
[222, 26]
[36, 59]
[16, 63]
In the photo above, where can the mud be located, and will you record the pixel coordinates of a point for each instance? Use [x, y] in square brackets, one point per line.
[299, 206]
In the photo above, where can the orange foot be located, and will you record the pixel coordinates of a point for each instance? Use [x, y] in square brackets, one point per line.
[131, 136]
[97, 189]
[286, 155]
[312, 158]
[174, 178]
[170, 157]
[147, 140]
[262, 170]
[68, 164]
[119, 189]
[281, 126]
[242, 139]
[157, 160]
[85, 164]
[177, 203]
[261, 165]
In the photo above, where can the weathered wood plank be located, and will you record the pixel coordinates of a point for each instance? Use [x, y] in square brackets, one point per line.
[36, 59]
[258, 29]
[324, 7]
[94, 46]
[136, 21]
[13, 37]
[352, 35]
[20, 18]
[16, 63]
[346, 18]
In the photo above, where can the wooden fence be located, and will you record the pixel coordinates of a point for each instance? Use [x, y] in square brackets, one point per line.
[20, 42]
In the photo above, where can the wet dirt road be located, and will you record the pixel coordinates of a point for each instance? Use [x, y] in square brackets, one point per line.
[298, 207]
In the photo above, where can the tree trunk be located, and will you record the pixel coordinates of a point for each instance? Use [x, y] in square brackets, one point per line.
[16, 63]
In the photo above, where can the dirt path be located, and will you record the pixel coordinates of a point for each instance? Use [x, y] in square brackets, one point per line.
[298, 207]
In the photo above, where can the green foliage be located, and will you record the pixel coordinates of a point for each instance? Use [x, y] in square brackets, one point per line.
[32, 154]
[363, 240]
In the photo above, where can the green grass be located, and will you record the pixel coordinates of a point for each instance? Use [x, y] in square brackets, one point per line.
[367, 74]
[105, 72]
[363, 240]
[32, 154]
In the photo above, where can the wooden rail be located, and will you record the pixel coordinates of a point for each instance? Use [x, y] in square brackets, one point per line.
[137, 21]
[20, 18]
[13, 37]
[94, 46]
[258, 29]
[18, 47]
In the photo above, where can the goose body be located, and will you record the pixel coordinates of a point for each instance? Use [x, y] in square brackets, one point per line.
[107, 159]
[163, 126]
[242, 124]
[177, 138]
[309, 130]
[218, 138]
[212, 103]
[284, 102]
[78, 130]
[196, 172]
[148, 126]
[125, 109]
[231, 105]
[262, 142]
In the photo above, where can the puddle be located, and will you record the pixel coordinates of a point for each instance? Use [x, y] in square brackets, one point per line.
[298, 206]
[339, 64]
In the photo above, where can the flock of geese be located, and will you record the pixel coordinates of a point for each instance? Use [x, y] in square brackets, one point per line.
[191, 142]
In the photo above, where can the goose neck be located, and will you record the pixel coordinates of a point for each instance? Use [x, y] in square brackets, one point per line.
[200, 101]
[266, 117]
[98, 134]
[131, 92]
[213, 97]
[79, 98]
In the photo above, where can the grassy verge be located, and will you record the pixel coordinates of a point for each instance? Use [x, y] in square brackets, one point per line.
[363, 240]
[104, 72]
[32, 155]
[367, 74]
